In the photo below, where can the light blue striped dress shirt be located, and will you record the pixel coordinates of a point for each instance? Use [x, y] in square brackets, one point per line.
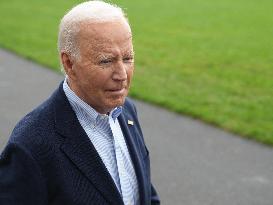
[106, 135]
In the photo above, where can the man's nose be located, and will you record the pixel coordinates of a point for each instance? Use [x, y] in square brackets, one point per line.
[120, 72]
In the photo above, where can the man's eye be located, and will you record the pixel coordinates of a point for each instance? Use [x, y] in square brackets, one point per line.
[128, 60]
[105, 61]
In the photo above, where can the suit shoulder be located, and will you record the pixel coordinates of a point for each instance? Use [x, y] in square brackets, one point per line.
[35, 125]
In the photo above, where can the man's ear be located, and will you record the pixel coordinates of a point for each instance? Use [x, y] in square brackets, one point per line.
[68, 64]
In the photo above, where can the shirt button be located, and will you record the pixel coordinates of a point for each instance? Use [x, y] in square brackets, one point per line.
[103, 117]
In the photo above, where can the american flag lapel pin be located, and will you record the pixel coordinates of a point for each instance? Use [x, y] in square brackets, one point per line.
[130, 122]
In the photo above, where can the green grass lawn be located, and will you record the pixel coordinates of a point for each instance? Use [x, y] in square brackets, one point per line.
[210, 59]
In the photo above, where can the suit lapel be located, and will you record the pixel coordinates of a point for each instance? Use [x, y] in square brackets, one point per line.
[79, 149]
[132, 144]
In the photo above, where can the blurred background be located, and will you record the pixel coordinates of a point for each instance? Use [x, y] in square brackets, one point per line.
[209, 59]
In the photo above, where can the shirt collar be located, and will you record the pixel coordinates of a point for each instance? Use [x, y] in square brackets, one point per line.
[116, 112]
[82, 108]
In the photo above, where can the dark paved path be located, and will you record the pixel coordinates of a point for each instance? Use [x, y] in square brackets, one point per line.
[192, 163]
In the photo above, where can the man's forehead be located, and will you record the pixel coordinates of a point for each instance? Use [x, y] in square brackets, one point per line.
[112, 52]
[90, 27]
[102, 38]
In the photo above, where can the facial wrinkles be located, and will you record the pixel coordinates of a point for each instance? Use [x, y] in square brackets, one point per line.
[102, 47]
[114, 55]
[105, 42]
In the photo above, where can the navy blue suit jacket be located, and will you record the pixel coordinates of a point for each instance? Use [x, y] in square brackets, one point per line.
[49, 159]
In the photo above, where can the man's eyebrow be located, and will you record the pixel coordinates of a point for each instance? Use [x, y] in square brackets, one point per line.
[130, 52]
[104, 55]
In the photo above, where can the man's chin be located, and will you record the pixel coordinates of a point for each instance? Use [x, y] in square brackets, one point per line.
[116, 102]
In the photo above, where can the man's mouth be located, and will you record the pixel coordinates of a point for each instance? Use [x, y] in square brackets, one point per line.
[117, 91]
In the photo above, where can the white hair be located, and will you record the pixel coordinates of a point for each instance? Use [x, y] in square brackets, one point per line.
[94, 11]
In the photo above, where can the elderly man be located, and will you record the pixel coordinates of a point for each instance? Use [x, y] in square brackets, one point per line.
[83, 145]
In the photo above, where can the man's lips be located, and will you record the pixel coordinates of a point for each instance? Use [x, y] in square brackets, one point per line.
[117, 90]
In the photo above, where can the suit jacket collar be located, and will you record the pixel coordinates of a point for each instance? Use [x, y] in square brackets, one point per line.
[78, 147]
[131, 141]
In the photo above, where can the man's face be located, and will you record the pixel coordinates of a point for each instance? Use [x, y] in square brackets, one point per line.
[102, 76]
